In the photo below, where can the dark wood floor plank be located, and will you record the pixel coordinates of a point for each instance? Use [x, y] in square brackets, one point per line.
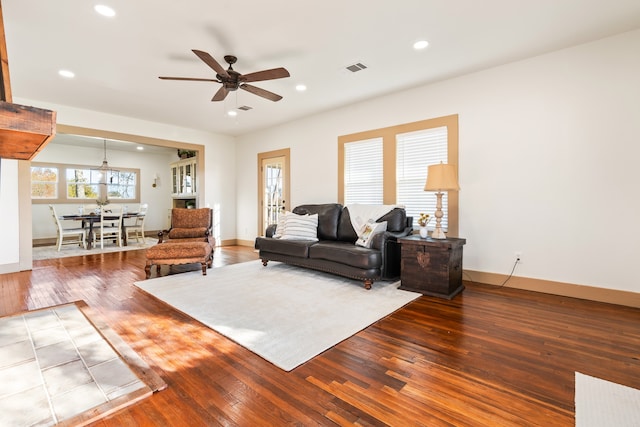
[491, 356]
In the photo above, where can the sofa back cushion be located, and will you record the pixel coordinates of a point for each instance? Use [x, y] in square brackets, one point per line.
[396, 221]
[328, 218]
[346, 233]
[189, 218]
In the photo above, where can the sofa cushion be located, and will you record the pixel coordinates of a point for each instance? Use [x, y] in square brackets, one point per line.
[177, 251]
[346, 253]
[188, 218]
[185, 233]
[346, 233]
[328, 217]
[297, 248]
[396, 220]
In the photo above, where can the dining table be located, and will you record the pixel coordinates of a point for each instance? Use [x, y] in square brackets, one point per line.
[88, 220]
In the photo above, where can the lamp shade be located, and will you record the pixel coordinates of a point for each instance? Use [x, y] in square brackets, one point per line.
[441, 177]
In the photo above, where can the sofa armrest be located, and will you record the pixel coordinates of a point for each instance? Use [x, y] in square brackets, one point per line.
[380, 240]
[387, 244]
[271, 230]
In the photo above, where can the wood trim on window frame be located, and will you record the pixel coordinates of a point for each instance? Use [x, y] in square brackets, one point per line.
[388, 136]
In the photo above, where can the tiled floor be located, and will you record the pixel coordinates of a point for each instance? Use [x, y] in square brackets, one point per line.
[54, 365]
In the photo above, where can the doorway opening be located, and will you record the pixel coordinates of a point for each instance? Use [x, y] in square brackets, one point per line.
[273, 187]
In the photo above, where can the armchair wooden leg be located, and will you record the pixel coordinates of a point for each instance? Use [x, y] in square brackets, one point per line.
[147, 270]
[204, 268]
[368, 283]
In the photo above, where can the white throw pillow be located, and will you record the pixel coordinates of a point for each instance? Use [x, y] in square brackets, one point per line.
[300, 227]
[280, 226]
[371, 229]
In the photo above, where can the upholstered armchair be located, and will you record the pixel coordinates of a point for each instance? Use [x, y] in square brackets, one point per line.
[189, 240]
[189, 225]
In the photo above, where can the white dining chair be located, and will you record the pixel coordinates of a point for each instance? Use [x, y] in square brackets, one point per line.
[137, 228]
[78, 235]
[110, 225]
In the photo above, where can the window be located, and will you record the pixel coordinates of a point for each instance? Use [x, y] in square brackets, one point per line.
[406, 152]
[44, 182]
[363, 172]
[414, 152]
[82, 184]
[122, 185]
[86, 183]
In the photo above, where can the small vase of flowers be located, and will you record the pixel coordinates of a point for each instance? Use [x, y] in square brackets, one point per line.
[423, 220]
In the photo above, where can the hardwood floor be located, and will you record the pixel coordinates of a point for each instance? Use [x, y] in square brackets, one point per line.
[490, 357]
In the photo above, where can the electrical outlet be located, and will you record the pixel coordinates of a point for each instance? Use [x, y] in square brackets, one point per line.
[518, 257]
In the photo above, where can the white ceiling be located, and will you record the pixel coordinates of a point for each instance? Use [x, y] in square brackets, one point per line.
[117, 60]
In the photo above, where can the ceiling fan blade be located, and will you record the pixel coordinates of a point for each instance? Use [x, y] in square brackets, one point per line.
[189, 79]
[208, 59]
[261, 92]
[220, 95]
[275, 73]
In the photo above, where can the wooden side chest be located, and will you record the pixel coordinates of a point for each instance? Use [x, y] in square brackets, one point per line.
[432, 266]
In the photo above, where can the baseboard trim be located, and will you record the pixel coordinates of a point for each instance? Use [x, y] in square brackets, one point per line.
[10, 268]
[611, 296]
[238, 242]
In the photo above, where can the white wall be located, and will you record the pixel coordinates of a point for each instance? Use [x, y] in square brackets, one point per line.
[548, 160]
[9, 216]
[158, 198]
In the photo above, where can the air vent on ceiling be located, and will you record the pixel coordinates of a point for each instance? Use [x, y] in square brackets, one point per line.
[356, 67]
[245, 108]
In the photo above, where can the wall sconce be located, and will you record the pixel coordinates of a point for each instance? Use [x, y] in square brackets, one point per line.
[155, 180]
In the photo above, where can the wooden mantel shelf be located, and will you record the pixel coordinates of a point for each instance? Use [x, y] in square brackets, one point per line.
[24, 131]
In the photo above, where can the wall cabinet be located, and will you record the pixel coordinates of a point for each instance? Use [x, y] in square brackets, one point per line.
[184, 182]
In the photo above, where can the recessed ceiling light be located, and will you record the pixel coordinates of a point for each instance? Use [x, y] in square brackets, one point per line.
[421, 44]
[301, 88]
[104, 10]
[232, 113]
[66, 73]
[139, 148]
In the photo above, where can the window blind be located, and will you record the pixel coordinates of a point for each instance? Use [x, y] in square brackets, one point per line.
[414, 152]
[363, 180]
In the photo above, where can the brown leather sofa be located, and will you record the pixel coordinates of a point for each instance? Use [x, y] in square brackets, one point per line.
[335, 251]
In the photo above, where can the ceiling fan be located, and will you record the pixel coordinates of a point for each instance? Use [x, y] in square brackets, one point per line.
[231, 80]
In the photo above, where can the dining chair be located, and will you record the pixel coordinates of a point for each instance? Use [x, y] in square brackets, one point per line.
[137, 228]
[79, 235]
[110, 225]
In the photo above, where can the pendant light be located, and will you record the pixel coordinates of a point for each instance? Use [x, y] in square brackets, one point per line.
[104, 168]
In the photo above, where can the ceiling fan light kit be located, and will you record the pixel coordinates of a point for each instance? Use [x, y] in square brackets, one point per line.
[232, 80]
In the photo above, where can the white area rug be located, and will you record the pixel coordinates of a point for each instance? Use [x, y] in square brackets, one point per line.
[602, 403]
[283, 313]
[51, 252]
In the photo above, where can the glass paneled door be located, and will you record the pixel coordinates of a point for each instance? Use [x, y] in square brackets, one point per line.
[274, 187]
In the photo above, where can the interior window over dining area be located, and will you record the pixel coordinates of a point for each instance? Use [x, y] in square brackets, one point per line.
[82, 183]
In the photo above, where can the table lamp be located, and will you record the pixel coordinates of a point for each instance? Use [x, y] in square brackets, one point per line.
[440, 177]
